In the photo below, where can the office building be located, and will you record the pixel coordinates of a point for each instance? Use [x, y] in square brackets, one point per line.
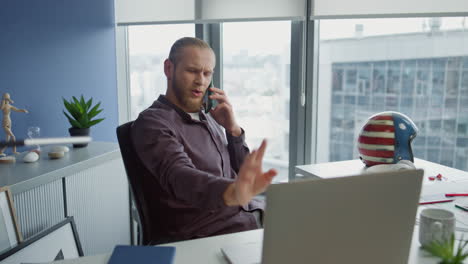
[428, 85]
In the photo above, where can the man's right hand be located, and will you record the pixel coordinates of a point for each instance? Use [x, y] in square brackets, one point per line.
[251, 180]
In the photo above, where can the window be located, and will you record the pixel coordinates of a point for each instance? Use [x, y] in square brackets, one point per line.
[409, 65]
[256, 63]
[149, 46]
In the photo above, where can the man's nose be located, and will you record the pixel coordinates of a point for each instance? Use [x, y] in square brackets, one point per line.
[200, 79]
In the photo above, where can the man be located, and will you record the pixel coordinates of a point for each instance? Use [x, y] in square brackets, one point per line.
[202, 179]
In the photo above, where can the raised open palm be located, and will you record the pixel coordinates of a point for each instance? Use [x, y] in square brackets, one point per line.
[251, 179]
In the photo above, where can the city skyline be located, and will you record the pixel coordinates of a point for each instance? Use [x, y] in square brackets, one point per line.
[256, 81]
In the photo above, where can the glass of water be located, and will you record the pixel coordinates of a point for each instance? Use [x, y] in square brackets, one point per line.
[34, 132]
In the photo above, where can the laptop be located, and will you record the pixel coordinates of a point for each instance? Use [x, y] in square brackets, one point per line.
[357, 219]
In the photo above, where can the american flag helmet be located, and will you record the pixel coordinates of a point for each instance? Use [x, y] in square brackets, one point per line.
[386, 139]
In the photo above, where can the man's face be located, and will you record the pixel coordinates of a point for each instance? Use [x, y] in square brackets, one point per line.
[191, 77]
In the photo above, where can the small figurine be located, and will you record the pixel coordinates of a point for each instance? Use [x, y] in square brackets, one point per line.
[6, 108]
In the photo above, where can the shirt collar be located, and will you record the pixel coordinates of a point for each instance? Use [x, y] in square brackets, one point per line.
[163, 100]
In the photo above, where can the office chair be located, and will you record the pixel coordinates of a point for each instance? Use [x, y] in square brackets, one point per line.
[135, 173]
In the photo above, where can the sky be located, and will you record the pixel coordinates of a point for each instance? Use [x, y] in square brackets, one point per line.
[156, 39]
[342, 28]
[254, 36]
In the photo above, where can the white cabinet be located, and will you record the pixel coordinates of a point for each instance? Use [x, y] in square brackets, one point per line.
[89, 184]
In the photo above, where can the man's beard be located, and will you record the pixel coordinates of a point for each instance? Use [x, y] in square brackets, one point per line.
[184, 97]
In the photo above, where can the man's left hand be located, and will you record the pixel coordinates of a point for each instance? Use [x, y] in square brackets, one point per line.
[251, 179]
[223, 113]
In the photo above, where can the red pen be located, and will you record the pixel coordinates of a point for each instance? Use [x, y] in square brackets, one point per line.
[434, 202]
[455, 194]
[434, 198]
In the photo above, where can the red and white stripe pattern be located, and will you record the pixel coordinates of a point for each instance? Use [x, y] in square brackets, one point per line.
[376, 141]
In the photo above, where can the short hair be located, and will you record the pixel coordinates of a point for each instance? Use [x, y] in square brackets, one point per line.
[174, 54]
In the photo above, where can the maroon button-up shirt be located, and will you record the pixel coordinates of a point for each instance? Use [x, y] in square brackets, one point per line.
[191, 163]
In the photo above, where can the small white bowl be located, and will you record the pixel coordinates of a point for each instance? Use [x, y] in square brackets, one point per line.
[63, 149]
[56, 155]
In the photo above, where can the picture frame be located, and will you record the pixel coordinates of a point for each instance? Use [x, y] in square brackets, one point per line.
[10, 234]
[55, 243]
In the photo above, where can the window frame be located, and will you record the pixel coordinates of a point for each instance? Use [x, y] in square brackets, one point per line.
[304, 73]
[299, 153]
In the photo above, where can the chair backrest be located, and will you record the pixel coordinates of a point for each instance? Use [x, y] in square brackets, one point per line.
[135, 173]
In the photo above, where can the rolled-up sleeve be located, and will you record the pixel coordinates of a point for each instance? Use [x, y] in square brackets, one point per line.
[163, 155]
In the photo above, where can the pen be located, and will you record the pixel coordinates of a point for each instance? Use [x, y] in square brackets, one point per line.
[456, 194]
[438, 201]
[461, 207]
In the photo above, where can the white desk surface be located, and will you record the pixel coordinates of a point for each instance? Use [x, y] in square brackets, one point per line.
[454, 180]
[208, 250]
[356, 167]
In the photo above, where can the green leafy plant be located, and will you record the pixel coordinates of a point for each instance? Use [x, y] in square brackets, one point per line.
[81, 112]
[445, 251]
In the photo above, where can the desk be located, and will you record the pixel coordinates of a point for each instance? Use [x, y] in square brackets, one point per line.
[207, 250]
[455, 180]
[355, 167]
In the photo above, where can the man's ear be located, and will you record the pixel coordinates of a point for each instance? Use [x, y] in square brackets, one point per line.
[168, 69]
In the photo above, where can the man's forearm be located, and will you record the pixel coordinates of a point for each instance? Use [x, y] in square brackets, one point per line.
[237, 149]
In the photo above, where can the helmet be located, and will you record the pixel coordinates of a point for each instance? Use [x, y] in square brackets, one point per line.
[386, 139]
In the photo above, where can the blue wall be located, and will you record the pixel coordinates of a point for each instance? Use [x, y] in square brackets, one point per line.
[51, 49]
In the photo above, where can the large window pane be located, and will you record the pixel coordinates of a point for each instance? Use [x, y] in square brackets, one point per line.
[417, 66]
[149, 46]
[256, 62]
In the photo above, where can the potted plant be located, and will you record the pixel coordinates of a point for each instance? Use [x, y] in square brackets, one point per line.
[80, 115]
[447, 252]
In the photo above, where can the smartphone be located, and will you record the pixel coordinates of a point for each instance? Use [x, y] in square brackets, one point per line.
[208, 103]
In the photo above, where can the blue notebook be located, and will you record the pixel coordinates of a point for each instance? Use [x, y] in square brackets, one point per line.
[142, 255]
